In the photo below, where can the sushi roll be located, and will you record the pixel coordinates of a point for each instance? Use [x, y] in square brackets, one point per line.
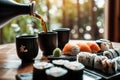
[87, 59]
[56, 73]
[109, 66]
[71, 49]
[98, 62]
[59, 62]
[108, 54]
[111, 53]
[81, 57]
[117, 59]
[39, 70]
[115, 54]
[110, 46]
[104, 44]
[112, 66]
[75, 70]
[94, 47]
[117, 50]
[90, 61]
[84, 47]
[104, 66]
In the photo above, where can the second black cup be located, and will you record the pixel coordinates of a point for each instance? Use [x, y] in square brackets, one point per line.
[63, 36]
[47, 42]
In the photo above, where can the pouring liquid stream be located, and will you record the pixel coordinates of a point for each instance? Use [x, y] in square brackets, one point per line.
[43, 23]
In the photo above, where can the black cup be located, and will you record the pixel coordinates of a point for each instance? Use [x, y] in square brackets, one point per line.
[27, 47]
[63, 36]
[47, 42]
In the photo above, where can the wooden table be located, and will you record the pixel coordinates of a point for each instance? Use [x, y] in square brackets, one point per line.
[10, 64]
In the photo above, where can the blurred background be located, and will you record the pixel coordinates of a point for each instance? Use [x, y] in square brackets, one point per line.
[85, 18]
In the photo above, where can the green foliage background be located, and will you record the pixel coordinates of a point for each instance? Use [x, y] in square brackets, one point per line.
[21, 25]
[27, 24]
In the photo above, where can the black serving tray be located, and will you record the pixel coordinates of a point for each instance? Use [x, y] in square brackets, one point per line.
[67, 57]
[28, 76]
[115, 76]
[64, 57]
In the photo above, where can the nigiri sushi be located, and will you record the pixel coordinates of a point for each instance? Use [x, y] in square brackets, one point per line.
[71, 49]
[84, 47]
[93, 46]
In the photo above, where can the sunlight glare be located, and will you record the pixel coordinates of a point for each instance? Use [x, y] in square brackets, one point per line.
[94, 9]
[99, 23]
[100, 3]
[81, 30]
[81, 1]
[101, 30]
[53, 10]
[59, 3]
[44, 8]
[74, 1]
[51, 1]
[87, 36]
[88, 28]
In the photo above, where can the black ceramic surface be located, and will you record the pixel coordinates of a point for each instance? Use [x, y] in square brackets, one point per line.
[63, 36]
[86, 76]
[27, 47]
[64, 57]
[105, 76]
[48, 42]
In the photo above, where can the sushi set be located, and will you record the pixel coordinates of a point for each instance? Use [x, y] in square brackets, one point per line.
[93, 59]
[58, 70]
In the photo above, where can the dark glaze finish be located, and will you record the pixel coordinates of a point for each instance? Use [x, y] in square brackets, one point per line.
[63, 36]
[27, 47]
[48, 42]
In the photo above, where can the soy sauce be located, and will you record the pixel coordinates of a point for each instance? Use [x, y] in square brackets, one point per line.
[43, 23]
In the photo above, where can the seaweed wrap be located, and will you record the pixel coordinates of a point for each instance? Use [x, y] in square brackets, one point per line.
[75, 70]
[108, 54]
[39, 70]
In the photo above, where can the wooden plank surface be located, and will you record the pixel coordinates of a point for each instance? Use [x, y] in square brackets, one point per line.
[10, 64]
